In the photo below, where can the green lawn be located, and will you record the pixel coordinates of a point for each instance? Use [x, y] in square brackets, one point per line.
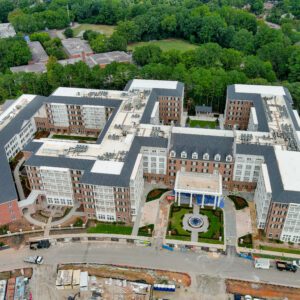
[74, 138]
[269, 248]
[166, 45]
[110, 228]
[105, 29]
[215, 229]
[203, 124]
[175, 220]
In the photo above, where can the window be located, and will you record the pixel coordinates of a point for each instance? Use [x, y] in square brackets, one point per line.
[228, 158]
[195, 155]
[217, 157]
[172, 153]
[183, 154]
[206, 156]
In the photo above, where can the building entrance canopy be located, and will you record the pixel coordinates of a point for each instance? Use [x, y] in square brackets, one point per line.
[206, 188]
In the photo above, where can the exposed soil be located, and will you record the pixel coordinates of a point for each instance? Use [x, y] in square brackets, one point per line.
[150, 276]
[262, 290]
[26, 272]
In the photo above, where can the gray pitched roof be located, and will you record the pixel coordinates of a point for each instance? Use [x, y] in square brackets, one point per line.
[279, 194]
[202, 144]
[257, 103]
[203, 109]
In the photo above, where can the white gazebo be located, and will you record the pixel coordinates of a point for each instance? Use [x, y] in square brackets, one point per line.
[202, 185]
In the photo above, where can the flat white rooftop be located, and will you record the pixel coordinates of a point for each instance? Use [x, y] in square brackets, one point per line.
[289, 162]
[203, 131]
[150, 84]
[201, 183]
[107, 167]
[259, 89]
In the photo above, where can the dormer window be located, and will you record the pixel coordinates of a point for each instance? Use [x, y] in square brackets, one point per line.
[172, 153]
[183, 154]
[228, 158]
[217, 157]
[195, 155]
[206, 156]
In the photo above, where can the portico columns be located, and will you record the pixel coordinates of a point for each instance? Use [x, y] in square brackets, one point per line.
[191, 200]
[178, 198]
[175, 197]
[215, 202]
[202, 202]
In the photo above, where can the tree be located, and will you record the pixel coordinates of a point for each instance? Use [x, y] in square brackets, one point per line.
[99, 44]
[294, 65]
[257, 6]
[146, 54]
[169, 24]
[14, 52]
[116, 42]
[212, 28]
[278, 54]
[243, 41]
[129, 30]
[42, 37]
[54, 48]
[6, 6]
[231, 59]
[255, 68]
[68, 33]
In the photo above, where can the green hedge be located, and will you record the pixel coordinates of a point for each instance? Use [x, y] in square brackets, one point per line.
[247, 241]
[143, 231]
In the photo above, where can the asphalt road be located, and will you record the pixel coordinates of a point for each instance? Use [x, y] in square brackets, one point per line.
[140, 256]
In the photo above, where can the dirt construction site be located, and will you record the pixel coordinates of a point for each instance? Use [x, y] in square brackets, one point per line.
[262, 290]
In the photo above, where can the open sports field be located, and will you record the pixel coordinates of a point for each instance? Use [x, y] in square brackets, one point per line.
[166, 45]
[105, 29]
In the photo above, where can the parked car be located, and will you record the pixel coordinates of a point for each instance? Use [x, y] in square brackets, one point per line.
[38, 260]
[284, 266]
[40, 244]
[262, 263]
[296, 263]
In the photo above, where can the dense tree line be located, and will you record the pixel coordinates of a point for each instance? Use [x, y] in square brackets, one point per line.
[205, 75]
[234, 46]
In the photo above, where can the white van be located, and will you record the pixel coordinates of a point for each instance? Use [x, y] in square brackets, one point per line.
[262, 263]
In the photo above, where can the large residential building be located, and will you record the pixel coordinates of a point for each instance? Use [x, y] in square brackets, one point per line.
[140, 137]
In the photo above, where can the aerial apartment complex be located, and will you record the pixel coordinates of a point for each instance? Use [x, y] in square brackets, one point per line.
[141, 136]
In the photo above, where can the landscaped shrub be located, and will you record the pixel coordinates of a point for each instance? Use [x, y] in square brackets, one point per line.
[247, 241]
[155, 194]
[239, 202]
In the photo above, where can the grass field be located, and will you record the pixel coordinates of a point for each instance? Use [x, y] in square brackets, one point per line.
[203, 124]
[285, 250]
[110, 228]
[105, 29]
[166, 45]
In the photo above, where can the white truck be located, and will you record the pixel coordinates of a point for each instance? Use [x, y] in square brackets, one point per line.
[38, 260]
[262, 263]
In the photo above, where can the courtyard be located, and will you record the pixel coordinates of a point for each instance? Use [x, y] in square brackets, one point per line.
[211, 231]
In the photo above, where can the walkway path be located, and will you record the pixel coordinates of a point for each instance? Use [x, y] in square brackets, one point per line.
[230, 223]
[147, 189]
[161, 222]
[194, 234]
[17, 179]
[71, 213]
